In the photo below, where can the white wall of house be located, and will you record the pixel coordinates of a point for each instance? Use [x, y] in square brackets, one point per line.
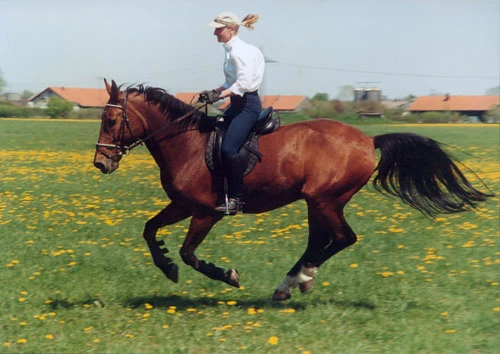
[42, 100]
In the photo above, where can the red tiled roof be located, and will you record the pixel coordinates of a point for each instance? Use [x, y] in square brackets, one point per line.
[186, 97]
[84, 97]
[454, 103]
[278, 102]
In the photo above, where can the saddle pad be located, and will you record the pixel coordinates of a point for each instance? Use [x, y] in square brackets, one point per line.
[213, 157]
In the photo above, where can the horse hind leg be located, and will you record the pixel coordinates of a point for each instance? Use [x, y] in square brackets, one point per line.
[329, 233]
[168, 216]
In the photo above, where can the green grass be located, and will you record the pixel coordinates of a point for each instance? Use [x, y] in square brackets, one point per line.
[76, 275]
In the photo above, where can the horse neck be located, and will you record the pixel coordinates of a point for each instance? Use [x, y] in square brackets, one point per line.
[171, 147]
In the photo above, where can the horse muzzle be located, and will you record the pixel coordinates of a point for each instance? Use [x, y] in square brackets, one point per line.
[105, 164]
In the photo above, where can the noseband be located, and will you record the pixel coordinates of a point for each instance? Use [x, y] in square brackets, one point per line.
[123, 149]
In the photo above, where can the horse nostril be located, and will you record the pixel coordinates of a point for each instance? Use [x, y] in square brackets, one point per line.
[100, 166]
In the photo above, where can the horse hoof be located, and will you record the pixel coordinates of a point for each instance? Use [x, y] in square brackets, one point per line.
[233, 278]
[306, 286]
[281, 295]
[172, 272]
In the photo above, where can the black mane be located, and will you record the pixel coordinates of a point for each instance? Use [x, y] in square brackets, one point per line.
[171, 107]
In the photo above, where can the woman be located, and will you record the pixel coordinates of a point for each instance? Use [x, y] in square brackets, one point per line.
[244, 72]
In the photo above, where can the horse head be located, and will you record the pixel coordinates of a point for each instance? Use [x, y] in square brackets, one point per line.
[117, 132]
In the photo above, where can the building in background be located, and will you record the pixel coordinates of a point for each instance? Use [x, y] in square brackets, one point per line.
[80, 97]
[471, 106]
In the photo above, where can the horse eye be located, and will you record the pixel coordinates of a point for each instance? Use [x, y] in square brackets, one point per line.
[111, 123]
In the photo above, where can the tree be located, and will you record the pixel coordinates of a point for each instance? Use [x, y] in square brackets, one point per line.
[320, 96]
[26, 94]
[493, 91]
[2, 82]
[57, 107]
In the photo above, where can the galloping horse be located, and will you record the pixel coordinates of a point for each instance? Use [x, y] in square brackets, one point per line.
[322, 161]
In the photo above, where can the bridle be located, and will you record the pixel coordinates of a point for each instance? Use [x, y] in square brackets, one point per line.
[121, 148]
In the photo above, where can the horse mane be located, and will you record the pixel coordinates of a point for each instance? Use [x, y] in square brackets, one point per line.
[169, 106]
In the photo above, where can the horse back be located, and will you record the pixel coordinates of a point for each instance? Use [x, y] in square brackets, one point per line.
[308, 158]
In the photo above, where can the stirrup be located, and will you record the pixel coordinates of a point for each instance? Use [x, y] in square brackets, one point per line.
[231, 206]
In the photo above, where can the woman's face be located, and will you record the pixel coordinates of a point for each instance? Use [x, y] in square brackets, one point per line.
[224, 34]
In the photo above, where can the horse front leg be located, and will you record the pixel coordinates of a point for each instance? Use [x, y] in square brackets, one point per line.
[198, 229]
[168, 216]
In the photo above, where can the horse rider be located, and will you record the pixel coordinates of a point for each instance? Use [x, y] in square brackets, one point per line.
[244, 72]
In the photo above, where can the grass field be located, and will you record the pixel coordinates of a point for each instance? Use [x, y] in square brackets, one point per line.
[76, 275]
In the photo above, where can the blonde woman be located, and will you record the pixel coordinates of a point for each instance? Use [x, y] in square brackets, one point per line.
[244, 73]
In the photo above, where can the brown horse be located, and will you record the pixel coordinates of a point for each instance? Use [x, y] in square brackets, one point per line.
[324, 162]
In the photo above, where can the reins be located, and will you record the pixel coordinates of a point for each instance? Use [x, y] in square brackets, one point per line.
[176, 121]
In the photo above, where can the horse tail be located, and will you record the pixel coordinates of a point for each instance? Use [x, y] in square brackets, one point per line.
[423, 175]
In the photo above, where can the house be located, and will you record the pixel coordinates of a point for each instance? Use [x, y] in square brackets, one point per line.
[186, 97]
[81, 97]
[467, 105]
[280, 103]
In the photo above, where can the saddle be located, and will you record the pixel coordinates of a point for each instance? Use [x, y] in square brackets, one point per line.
[267, 123]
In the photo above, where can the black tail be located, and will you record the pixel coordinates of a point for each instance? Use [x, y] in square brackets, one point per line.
[423, 175]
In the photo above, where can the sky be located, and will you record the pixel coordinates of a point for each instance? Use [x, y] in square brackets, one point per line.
[402, 47]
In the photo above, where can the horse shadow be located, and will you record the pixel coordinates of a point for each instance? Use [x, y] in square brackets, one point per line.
[183, 303]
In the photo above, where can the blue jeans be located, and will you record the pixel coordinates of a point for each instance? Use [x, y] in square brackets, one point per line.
[242, 116]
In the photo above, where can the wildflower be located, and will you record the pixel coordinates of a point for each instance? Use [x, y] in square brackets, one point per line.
[273, 340]
[49, 336]
[386, 274]
[251, 311]
[148, 306]
[231, 303]
[354, 265]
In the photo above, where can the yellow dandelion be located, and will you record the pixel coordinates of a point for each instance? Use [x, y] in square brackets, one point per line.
[231, 303]
[273, 340]
[22, 299]
[22, 340]
[496, 309]
[386, 274]
[450, 331]
[354, 265]
[325, 283]
[148, 306]
[49, 336]
[251, 311]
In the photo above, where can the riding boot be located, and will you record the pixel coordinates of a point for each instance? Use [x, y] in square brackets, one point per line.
[234, 170]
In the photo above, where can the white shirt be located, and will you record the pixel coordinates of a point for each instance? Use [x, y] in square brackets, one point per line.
[243, 66]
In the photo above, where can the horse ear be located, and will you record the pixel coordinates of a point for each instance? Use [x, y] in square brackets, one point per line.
[114, 86]
[108, 87]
